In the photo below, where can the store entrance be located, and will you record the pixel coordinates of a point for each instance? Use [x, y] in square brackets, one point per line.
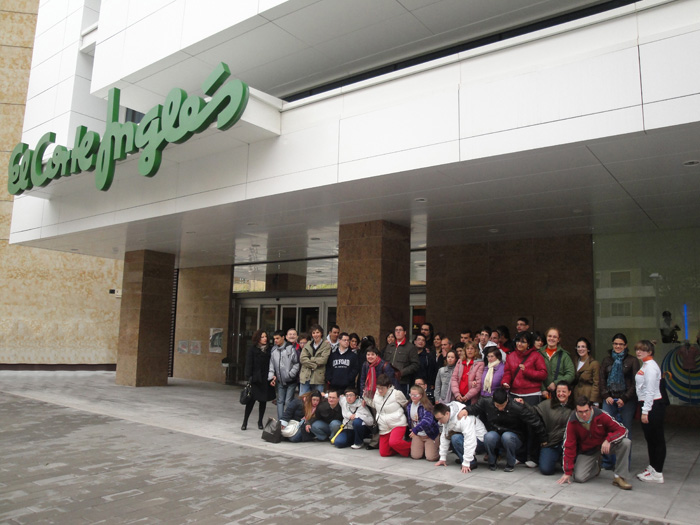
[272, 314]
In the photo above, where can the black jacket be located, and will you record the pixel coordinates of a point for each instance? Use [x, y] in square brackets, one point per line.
[257, 365]
[342, 369]
[325, 413]
[515, 417]
[294, 410]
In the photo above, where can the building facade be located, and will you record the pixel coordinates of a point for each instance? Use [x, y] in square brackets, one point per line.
[368, 163]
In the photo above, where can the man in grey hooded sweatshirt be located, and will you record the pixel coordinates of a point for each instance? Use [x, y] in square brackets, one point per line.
[284, 370]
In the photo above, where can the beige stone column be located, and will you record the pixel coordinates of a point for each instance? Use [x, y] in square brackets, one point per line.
[373, 277]
[144, 329]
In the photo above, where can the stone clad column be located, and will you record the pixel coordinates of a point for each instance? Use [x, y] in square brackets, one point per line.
[144, 329]
[374, 262]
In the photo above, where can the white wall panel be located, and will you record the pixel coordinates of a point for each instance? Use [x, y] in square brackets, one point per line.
[44, 76]
[428, 119]
[113, 17]
[204, 18]
[301, 180]
[41, 109]
[302, 150]
[49, 43]
[227, 168]
[670, 67]
[27, 213]
[51, 13]
[594, 85]
[567, 131]
[672, 112]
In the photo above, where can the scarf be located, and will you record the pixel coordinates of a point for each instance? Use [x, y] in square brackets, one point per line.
[488, 379]
[371, 381]
[616, 379]
[464, 380]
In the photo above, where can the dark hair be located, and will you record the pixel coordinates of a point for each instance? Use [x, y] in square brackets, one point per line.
[536, 336]
[315, 327]
[355, 337]
[441, 408]
[524, 320]
[343, 334]
[451, 351]
[333, 327]
[500, 396]
[257, 336]
[491, 350]
[524, 336]
[586, 342]
[503, 331]
[431, 330]
[384, 380]
[389, 334]
[465, 331]
[645, 345]
[441, 335]
[303, 335]
[280, 333]
[486, 328]
[366, 343]
[371, 349]
[582, 400]
[569, 402]
[419, 335]
[401, 325]
[619, 336]
[351, 390]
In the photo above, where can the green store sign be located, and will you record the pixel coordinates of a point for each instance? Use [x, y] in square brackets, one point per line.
[175, 121]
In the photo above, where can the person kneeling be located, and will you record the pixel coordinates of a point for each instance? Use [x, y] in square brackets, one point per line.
[357, 421]
[591, 432]
[389, 403]
[327, 418]
[467, 435]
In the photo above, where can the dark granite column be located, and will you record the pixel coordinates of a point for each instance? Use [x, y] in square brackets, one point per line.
[144, 328]
[373, 278]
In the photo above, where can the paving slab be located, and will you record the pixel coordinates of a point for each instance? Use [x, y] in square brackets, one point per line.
[77, 448]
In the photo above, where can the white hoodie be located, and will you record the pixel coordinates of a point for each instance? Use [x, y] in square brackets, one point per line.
[470, 427]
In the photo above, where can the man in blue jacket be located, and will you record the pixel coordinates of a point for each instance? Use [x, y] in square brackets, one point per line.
[343, 366]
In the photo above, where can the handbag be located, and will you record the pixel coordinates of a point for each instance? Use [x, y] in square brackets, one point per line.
[340, 430]
[246, 394]
[291, 429]
[272, 431]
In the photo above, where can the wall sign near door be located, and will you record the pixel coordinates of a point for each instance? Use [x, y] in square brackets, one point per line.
[175, 121]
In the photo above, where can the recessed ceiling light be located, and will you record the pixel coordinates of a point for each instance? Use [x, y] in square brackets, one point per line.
[74, 249]
[191, 232]
[577, 210]
[255, 245]
[422, 245]
[689, 163]
[251, 223]
[420, 199]
[315, 239]
[493, 230]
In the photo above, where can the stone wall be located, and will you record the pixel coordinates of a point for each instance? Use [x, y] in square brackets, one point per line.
[55, 308]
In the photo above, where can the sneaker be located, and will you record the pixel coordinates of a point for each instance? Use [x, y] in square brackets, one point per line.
[509, 468]
[648, 470]
[620, 482]
[492, 466]
[530, 464]
[353, 446]
[651, 477]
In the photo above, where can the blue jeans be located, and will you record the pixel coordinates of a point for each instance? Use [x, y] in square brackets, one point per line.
[549, 457]
[508, 440]
[458, 446]
[354, 434]
[323, 430]
[308, 387]
[285, 394]
[624, 415]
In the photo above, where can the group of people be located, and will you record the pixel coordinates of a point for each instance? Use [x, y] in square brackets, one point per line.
[522, 399]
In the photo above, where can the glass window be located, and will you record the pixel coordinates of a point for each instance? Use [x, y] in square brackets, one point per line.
[290, 276]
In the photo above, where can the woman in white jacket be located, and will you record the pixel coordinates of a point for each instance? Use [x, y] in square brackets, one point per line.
[648, 384]
[391, 418]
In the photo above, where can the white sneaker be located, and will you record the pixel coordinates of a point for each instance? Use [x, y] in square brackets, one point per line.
[651, 477]
[530, 464]
[355, 446]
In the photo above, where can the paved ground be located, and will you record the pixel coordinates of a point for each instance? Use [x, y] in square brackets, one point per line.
[75, 448]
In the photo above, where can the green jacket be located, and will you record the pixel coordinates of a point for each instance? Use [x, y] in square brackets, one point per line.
[567, 371]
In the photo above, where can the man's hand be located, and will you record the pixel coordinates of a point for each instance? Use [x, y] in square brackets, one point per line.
[519, 400]
[645, 418]
[605, 447]
[466, 470]
[441, 463]
[564, 479]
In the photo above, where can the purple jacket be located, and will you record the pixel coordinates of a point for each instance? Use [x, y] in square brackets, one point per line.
[495, 382]
[426, 422]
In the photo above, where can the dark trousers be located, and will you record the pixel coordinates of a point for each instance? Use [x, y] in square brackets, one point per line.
[654, 435]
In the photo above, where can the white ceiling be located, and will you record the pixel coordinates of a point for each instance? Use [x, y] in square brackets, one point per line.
[301, 44]
[632, 183]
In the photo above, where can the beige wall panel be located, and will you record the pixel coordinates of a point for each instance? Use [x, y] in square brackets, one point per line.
[203, 299]
[14, 67]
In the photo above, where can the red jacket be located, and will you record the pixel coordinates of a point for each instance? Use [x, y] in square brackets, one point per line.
[527, 381]
[578, 440]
